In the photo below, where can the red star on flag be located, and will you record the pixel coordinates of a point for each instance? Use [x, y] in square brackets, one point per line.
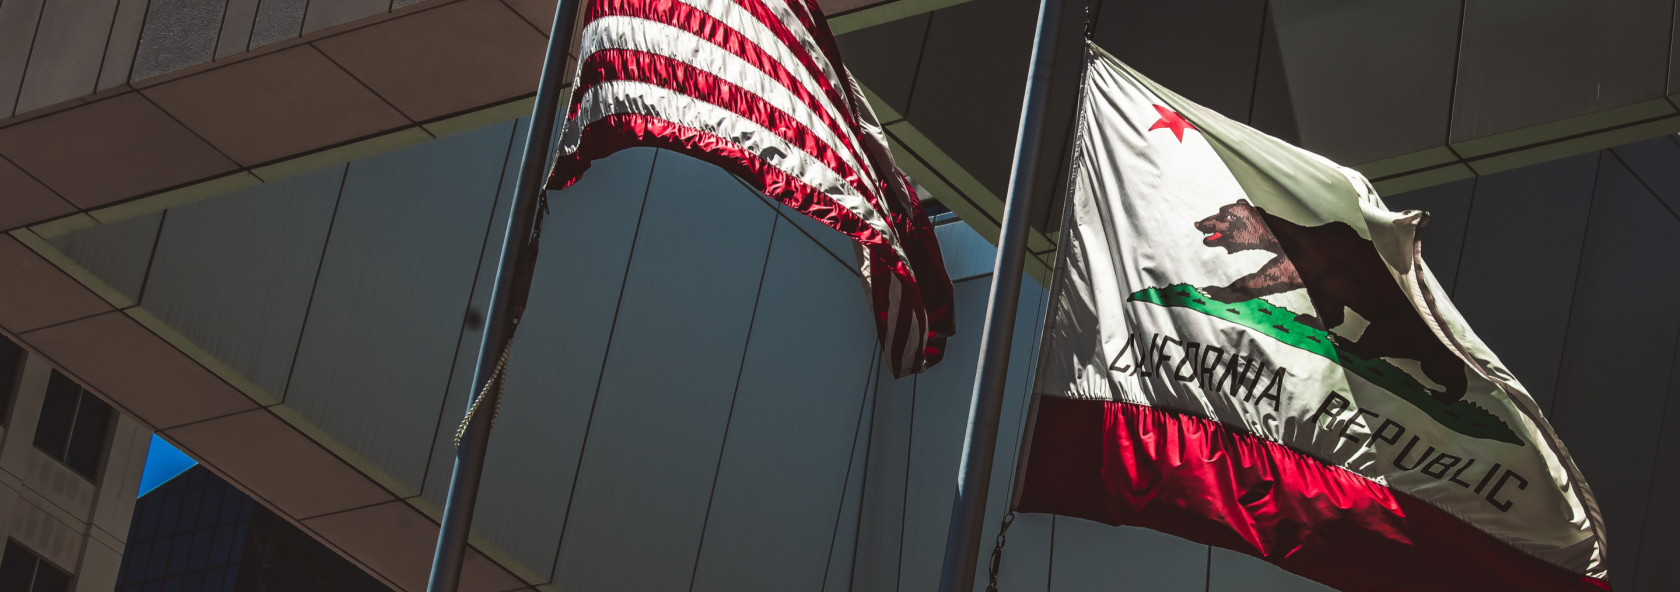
[1171, 120]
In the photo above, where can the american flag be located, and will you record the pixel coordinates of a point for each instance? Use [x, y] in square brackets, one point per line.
[757, 87]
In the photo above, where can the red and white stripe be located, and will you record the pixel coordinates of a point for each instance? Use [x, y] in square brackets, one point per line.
[756, 87]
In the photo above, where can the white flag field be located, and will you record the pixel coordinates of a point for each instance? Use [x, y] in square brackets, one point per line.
[1245, 348]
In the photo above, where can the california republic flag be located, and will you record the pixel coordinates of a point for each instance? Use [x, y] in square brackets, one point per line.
[1245, 349]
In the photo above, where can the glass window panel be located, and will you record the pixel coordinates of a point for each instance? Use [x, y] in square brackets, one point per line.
[170, 515]
[193, 583]
[135, 560]
[87, 437]
[224, 543]
[17, 567]
[201, 550]
[58, 412]
[212, 505]
[50, 579]
[11, 362]
[179, 552]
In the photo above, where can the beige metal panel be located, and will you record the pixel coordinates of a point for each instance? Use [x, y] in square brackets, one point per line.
[17, 33]
[277, 20]
[324, 14]
[177, 34]
[124, 40]
[69, 48]
[238, 20]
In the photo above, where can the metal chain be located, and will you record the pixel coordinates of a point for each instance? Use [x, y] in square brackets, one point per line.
[498, 379]
[997, 553]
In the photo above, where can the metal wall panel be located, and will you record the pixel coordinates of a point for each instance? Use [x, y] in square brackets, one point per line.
[657, 429]
[234, 274]
[1094, 556]
[178, 34]
[1443, 237]
[1209, 59]
[556, 360]
[1616, 369]
[278, 20]
[1653, 570]
[1356, 92]
[792, 425]
[331, 13]
[1526, 62]
[967, 95]
[881, 522]
[1230, 571]
[843, 550]
[124, 40]
[1517, 270]
[967, 254]
[885, 57]
[374, 362]
[237, 25]
[1653, 161]
[69, 46]
[941, 416]
[17, 33]
[117, 253]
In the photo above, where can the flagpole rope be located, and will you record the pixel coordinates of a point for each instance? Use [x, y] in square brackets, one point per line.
[498, 380]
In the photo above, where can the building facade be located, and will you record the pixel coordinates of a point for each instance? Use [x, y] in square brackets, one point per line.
[70, 467]
[270, 255]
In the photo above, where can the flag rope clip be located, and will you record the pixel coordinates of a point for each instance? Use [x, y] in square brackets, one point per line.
[997, 553]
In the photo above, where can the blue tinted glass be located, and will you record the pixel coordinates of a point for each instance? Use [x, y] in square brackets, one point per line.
[201, 549]
[223, 544]
[180, 550]
[193, 583]
[212, 505]
[170, 514]
[135, 562]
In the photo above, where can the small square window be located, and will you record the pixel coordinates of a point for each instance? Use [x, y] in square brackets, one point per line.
[23, 570]
[74, 426]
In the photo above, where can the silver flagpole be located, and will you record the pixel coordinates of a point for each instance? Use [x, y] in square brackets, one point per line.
[962, 542]
[512, 282]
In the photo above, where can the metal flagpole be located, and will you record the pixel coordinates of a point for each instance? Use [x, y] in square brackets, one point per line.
[507, 301]
[962, 542]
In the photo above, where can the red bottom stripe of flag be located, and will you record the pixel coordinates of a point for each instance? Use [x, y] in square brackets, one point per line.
[1126, 464]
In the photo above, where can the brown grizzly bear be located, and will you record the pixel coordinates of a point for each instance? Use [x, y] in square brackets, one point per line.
[1339, 269]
